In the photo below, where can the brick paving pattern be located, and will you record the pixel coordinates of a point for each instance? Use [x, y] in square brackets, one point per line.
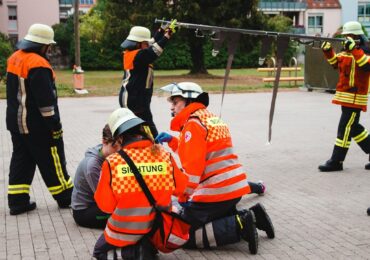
[316, 215]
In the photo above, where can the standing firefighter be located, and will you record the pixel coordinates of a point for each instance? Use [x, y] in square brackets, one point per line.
[351, 93]
[217, 181]
[32, 117]
[140, 51]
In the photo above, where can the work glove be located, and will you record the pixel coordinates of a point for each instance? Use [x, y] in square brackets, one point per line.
[349, 44]
[326, 46]
[163, 138]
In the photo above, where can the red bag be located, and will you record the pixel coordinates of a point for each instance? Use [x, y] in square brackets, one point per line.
[171, 231]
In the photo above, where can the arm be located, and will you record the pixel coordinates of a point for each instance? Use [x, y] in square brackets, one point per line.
[42, 84]
[192, 152]
[181, 181]
[149, 55]
[104, 196]
[92, 173]
[362, 60]
[331, 57]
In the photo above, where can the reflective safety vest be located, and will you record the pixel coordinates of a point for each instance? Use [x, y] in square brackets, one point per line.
[353, 85]
[120, 194]
[221, 177]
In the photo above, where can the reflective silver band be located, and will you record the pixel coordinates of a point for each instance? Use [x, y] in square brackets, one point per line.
[121, 236]
[222, 177]
[219, 165]
[139, 211]
[220, 153]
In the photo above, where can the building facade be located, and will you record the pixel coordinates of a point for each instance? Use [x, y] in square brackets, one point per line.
[16, 16]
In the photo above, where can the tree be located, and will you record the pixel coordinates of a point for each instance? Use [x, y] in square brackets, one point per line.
[5, 51]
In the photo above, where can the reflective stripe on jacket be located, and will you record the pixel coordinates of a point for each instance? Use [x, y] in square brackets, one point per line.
[120, 194]
[352, 87]
[206, 153]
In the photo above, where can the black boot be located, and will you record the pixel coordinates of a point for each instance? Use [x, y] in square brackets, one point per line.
[248, 229]
[331, 166]
[263, 221]
[19, 209]
[367, 166]
[368, 211]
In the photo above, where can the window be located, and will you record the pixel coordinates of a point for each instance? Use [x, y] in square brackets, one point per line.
[12, 18]
[315, 24]
[364, 12]
[86, 2]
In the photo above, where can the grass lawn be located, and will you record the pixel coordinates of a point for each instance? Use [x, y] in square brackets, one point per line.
[107, 83]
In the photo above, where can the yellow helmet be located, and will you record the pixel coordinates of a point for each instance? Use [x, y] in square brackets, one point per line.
[352, 27]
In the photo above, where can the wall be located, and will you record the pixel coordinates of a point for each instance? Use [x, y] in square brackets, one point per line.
[331, 19]
[29, 12]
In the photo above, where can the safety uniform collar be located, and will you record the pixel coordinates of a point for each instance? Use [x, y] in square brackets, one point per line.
[138, 144]
[180, 119]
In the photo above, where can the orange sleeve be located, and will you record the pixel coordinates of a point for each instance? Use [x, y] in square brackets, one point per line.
[181, 181]
[331, 57]
[192, 152]
[174, 144]
[104, 196]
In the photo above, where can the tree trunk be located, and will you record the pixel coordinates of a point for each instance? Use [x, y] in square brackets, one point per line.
[197, 56]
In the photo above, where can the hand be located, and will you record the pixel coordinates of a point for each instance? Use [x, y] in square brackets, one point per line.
[163, 137]
[57, 134]
[326, 46]
[349, 44]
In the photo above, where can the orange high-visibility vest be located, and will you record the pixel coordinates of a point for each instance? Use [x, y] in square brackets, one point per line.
[120, 194]
[351, 74]
[207, 156]
[20, 63]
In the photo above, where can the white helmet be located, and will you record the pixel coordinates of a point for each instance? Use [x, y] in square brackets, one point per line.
[352, 27]
[40, 33]
[183, 89]
[121, 120]
[139, 34]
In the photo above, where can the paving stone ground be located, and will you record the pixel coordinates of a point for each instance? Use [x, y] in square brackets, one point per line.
[316, 215]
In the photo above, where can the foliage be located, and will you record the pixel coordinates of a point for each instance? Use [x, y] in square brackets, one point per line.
[5, 51]
[92, 26]
[63, 35]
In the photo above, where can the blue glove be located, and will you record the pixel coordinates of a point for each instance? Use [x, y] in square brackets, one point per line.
[163, 138]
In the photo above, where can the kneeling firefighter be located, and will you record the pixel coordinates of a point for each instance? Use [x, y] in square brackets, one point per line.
[217, 181]
[129, 229]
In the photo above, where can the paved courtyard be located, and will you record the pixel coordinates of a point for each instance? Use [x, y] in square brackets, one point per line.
[316, 215]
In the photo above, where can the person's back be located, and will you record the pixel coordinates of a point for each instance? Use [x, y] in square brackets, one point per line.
[119, 192]
[86, 179]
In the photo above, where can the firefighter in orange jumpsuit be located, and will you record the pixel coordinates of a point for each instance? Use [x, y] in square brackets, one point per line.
[351, 94]
[217, 181]
[119, 194]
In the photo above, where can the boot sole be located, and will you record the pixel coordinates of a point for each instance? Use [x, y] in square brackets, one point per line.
[252, 233]
[263, 220]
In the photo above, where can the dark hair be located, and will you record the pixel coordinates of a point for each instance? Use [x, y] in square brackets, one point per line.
[107, 135]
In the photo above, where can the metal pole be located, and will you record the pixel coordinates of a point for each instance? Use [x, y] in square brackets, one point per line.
[77, 32]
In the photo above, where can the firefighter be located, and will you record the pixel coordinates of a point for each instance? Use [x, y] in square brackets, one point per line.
[140, 51]
[351, 93]
[32, 117]
[217, 181]
[85, 211]
[118, 193]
